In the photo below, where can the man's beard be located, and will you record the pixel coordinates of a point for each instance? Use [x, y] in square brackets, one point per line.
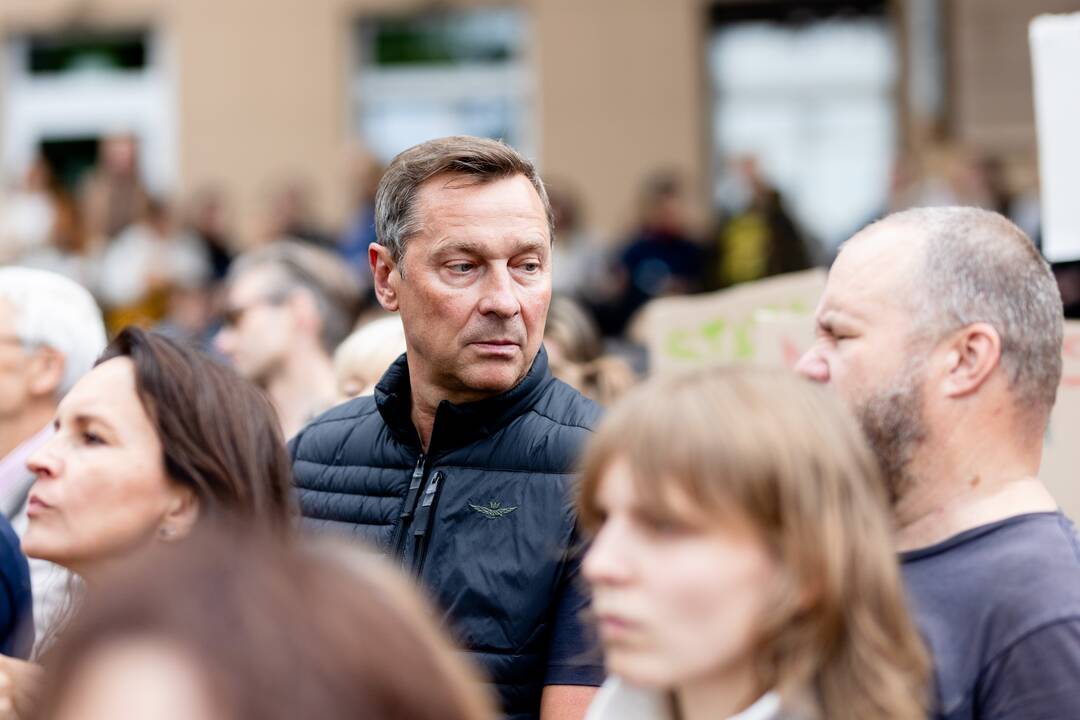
[892, 421]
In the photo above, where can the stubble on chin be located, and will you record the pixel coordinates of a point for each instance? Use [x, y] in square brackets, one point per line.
[893, 424]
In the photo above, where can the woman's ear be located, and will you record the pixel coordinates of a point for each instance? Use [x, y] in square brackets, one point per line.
[181, 515]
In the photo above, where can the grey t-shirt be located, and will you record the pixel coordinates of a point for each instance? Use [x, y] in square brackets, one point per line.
[999, 606]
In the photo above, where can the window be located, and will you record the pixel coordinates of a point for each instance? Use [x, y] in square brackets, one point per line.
[448, 73]
[48, 55]
[64, 92]
[814, 102]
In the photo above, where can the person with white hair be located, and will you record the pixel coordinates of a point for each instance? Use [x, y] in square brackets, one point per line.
[51, 332]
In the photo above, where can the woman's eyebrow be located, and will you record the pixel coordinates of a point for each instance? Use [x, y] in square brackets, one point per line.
[86, 418]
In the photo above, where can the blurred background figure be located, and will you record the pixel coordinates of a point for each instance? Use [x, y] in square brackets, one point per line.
[578, 257]
[40, 226]
[29, 213]
[281, 642]
[113, 195]
[51, 332]
[759, 238]
[207, 221]
[287, 307]
[576, 353]
[360, 229]
[362, 358]
[145, 264]
[289, 214]
[749, 571]
[660, 257]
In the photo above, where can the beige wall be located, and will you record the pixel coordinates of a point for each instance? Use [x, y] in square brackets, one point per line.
[622, 94]
[989, 84]
[261, 90]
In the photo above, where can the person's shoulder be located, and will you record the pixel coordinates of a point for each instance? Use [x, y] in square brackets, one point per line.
[1038, 545]
[563, 406]
[1004, 580]
[327, 429]
[13, 564]
[9, 539]
[355, 409]
[547, 437]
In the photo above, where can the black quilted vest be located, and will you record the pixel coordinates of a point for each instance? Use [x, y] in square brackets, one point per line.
[484, 519]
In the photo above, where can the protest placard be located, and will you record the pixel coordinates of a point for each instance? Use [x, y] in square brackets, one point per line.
[721, 327]
[1061, 452]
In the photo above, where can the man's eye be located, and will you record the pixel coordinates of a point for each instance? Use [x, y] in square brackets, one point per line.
[462, 267]
[531, 267]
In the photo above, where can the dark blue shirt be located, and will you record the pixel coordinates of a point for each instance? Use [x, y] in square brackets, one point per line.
[999, 606]
[16, 601]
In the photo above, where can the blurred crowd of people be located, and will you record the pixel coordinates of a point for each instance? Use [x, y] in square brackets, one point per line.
[152, 260]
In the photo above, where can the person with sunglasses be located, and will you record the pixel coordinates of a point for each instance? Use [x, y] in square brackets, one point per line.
[287, 307]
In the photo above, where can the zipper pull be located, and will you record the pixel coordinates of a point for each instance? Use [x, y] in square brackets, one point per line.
[414, 488]
[397, 542]
[429, 491]
[417, 473]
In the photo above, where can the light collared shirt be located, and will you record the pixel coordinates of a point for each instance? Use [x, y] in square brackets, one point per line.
[13, 472]
[619, 700]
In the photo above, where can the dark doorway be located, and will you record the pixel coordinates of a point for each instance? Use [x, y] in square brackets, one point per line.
[70, 158]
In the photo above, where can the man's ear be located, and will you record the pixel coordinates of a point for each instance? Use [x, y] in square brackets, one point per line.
[387, 277]
[46, 372]
[971, 356]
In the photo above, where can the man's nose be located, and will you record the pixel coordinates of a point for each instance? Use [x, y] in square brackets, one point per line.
[812, 366]
[498, 295]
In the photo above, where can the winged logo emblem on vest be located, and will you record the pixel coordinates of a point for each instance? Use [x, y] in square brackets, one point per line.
[494, 509]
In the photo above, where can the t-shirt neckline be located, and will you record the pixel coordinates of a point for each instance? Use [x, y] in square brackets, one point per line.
[973, 534]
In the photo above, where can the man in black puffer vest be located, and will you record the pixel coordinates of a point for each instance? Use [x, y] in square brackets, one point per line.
[461, 467]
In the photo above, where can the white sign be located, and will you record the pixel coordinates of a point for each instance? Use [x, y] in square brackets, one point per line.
[1055, 60]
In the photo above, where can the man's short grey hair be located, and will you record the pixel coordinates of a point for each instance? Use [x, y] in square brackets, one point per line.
[980, 267]
[56, 312]
[335, 286]
[478, 159]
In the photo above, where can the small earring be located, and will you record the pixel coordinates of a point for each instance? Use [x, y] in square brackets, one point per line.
[166, 532]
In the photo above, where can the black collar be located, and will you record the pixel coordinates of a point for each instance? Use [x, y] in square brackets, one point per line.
[457, 425]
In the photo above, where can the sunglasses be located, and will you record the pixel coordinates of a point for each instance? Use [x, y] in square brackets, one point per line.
[232, 317]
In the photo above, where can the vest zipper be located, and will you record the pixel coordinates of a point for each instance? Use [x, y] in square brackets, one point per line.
[397, 547]
[424, 519]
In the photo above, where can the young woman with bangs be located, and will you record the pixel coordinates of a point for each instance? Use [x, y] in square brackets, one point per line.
[741, 563]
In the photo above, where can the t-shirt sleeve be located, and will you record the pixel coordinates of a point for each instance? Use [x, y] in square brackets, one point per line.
[1036, 678]
[574, 656]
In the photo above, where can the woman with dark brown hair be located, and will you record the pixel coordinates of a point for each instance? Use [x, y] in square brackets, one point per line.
[235, 626]
[155, 439]
[742, 564]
